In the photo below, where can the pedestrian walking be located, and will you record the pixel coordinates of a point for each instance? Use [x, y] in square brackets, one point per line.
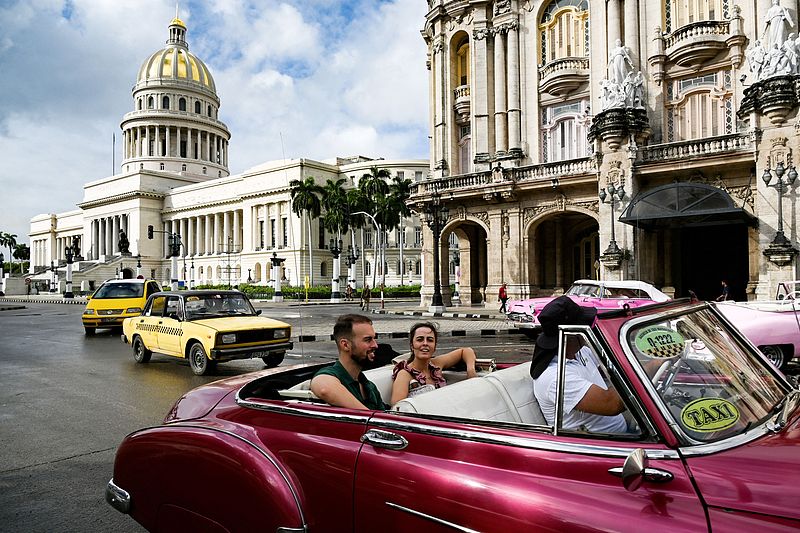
[724, 296]
[365, 296]
[503, 295]
[348, 293]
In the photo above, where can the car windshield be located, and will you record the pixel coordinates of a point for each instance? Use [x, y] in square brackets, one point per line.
[120, 290]
[711, 386]
[579, 289]
[216, 305]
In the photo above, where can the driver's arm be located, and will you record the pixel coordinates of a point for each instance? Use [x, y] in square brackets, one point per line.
[331, 390]
[600, 401]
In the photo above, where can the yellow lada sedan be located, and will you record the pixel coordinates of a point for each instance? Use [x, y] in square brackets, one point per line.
[206, 327]
[115, 300]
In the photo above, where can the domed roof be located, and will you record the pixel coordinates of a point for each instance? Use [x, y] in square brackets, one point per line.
[175, 62]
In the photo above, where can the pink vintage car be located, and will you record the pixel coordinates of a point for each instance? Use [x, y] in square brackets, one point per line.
[772, 326]
[604, 295]
[711, 443]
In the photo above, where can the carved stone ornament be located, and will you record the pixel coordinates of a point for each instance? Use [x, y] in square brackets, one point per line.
[774, 97]
[502, 6]
[559, 204]
[505, 227]
[483, 216]
[741, 192]
[779, 153]
[480, 33]
[615, 174]
[460, 213]
[438, 46]
[616, 125]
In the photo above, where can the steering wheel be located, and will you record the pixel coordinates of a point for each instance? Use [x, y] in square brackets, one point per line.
[670, 368]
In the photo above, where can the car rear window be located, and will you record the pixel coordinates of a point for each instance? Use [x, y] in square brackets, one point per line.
[120, 290]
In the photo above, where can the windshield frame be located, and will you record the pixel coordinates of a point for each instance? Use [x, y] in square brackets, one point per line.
[191, 316]
[673, 313]
[107, 285]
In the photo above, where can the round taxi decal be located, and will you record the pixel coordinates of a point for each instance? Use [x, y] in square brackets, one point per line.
[709, 414]
[659, 342]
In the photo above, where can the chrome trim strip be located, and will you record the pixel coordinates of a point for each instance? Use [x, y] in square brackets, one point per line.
[248, 350]
[431, 518]
[518, 442]
[118, 497]
[278, 467]
[297, 411]
[291, 530]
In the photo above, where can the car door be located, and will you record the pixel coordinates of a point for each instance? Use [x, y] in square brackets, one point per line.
[171, 327]
[493, 465]
[146, 325]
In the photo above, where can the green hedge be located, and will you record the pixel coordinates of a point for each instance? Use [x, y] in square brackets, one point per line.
[261, 292]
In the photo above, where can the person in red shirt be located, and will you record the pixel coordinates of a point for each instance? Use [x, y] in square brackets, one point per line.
[503, 294]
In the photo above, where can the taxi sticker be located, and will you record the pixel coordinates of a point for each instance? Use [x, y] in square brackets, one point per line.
[659, 342]
[192, 298]
[709, 414]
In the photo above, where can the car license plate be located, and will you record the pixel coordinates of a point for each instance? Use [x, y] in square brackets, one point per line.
[259, 354]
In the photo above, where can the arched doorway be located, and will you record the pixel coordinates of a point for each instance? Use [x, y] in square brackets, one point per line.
[691, 236]
[563, 247]
[127, 273]
[472, 261]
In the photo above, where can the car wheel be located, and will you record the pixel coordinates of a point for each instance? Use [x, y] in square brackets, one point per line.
[140, 352]
[775, 355]
[273, 359]
[198, 360]
[89, 331]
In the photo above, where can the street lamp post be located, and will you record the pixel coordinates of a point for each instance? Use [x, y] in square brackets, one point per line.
[249, 278]
[336, 250]
[138, 266]
[351, 258]
[2, 268]
[174, 251]
[191, 275]
[276, 276]
[457, 264]
[614, 194]
[782, 186]
[436, 215]
[380, 255]
[53, 282]
[68, 289]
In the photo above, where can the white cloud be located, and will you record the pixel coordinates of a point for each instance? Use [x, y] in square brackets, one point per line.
[308, 78]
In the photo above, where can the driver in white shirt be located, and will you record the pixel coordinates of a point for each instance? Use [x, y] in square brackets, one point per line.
[589, 404]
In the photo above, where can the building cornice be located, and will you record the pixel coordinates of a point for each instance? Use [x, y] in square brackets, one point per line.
[121, 198]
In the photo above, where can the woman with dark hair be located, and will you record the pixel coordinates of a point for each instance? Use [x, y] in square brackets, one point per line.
[422, 371]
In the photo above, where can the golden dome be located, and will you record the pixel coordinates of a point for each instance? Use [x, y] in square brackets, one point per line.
[175, 63]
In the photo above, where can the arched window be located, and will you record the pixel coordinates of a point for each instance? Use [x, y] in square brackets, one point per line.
[209, 112]
[682, 12]
[699, 107]
[462, 63]
[323, 269]
[151, 103]
[564, 131]
[165, 102]
[139, 104]
[368, 269]
[204, 170]
[183, 168]
[418, 268]
[161, 166]
[197, 107]
[182, 104]
[564, 30]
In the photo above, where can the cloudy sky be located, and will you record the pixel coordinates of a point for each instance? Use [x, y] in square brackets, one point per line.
[297, 78]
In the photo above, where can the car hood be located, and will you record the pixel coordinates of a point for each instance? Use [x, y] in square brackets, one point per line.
[240, 323]
[759, 477]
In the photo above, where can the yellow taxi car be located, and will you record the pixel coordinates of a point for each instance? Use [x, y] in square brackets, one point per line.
[206, 327]
[115, 300]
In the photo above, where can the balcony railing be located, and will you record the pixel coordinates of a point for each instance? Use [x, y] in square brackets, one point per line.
[735, 142]
[567, 63]
[699, 29]
[573, 167]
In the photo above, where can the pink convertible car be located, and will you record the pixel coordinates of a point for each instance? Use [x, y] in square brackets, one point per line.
[711, 443]
[604, 295]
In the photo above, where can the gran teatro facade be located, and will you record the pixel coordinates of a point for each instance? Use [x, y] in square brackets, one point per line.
[614, 139]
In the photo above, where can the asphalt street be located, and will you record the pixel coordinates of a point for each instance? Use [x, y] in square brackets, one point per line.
[68, 400]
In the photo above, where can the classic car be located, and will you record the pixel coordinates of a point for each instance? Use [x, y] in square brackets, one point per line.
[712, 441]
[773, 326]
[206, 327]
[114, 301]
[604, 295]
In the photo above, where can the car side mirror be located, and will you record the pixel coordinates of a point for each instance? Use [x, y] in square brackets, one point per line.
[633, 470]
[258, 312]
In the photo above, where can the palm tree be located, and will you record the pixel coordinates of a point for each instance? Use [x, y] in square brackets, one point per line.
[374, 189]
[8, 240]
[23, 253]
[336, 220]
[305, 200]
[400, 191]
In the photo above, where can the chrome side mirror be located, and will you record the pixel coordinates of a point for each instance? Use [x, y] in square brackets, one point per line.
[633, 470]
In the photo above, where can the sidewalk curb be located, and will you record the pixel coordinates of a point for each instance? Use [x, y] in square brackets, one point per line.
[439, 315]
[54, 300]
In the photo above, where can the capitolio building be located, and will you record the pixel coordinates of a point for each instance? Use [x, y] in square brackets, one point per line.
[613, 139]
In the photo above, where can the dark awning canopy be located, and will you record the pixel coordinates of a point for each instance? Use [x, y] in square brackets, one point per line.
[680, 205]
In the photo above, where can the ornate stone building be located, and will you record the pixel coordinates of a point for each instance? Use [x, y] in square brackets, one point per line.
[619, 139]
[174, 176]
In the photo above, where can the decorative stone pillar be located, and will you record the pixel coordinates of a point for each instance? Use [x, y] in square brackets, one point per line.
[514, 111]
[479, 89]
[500, 102]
